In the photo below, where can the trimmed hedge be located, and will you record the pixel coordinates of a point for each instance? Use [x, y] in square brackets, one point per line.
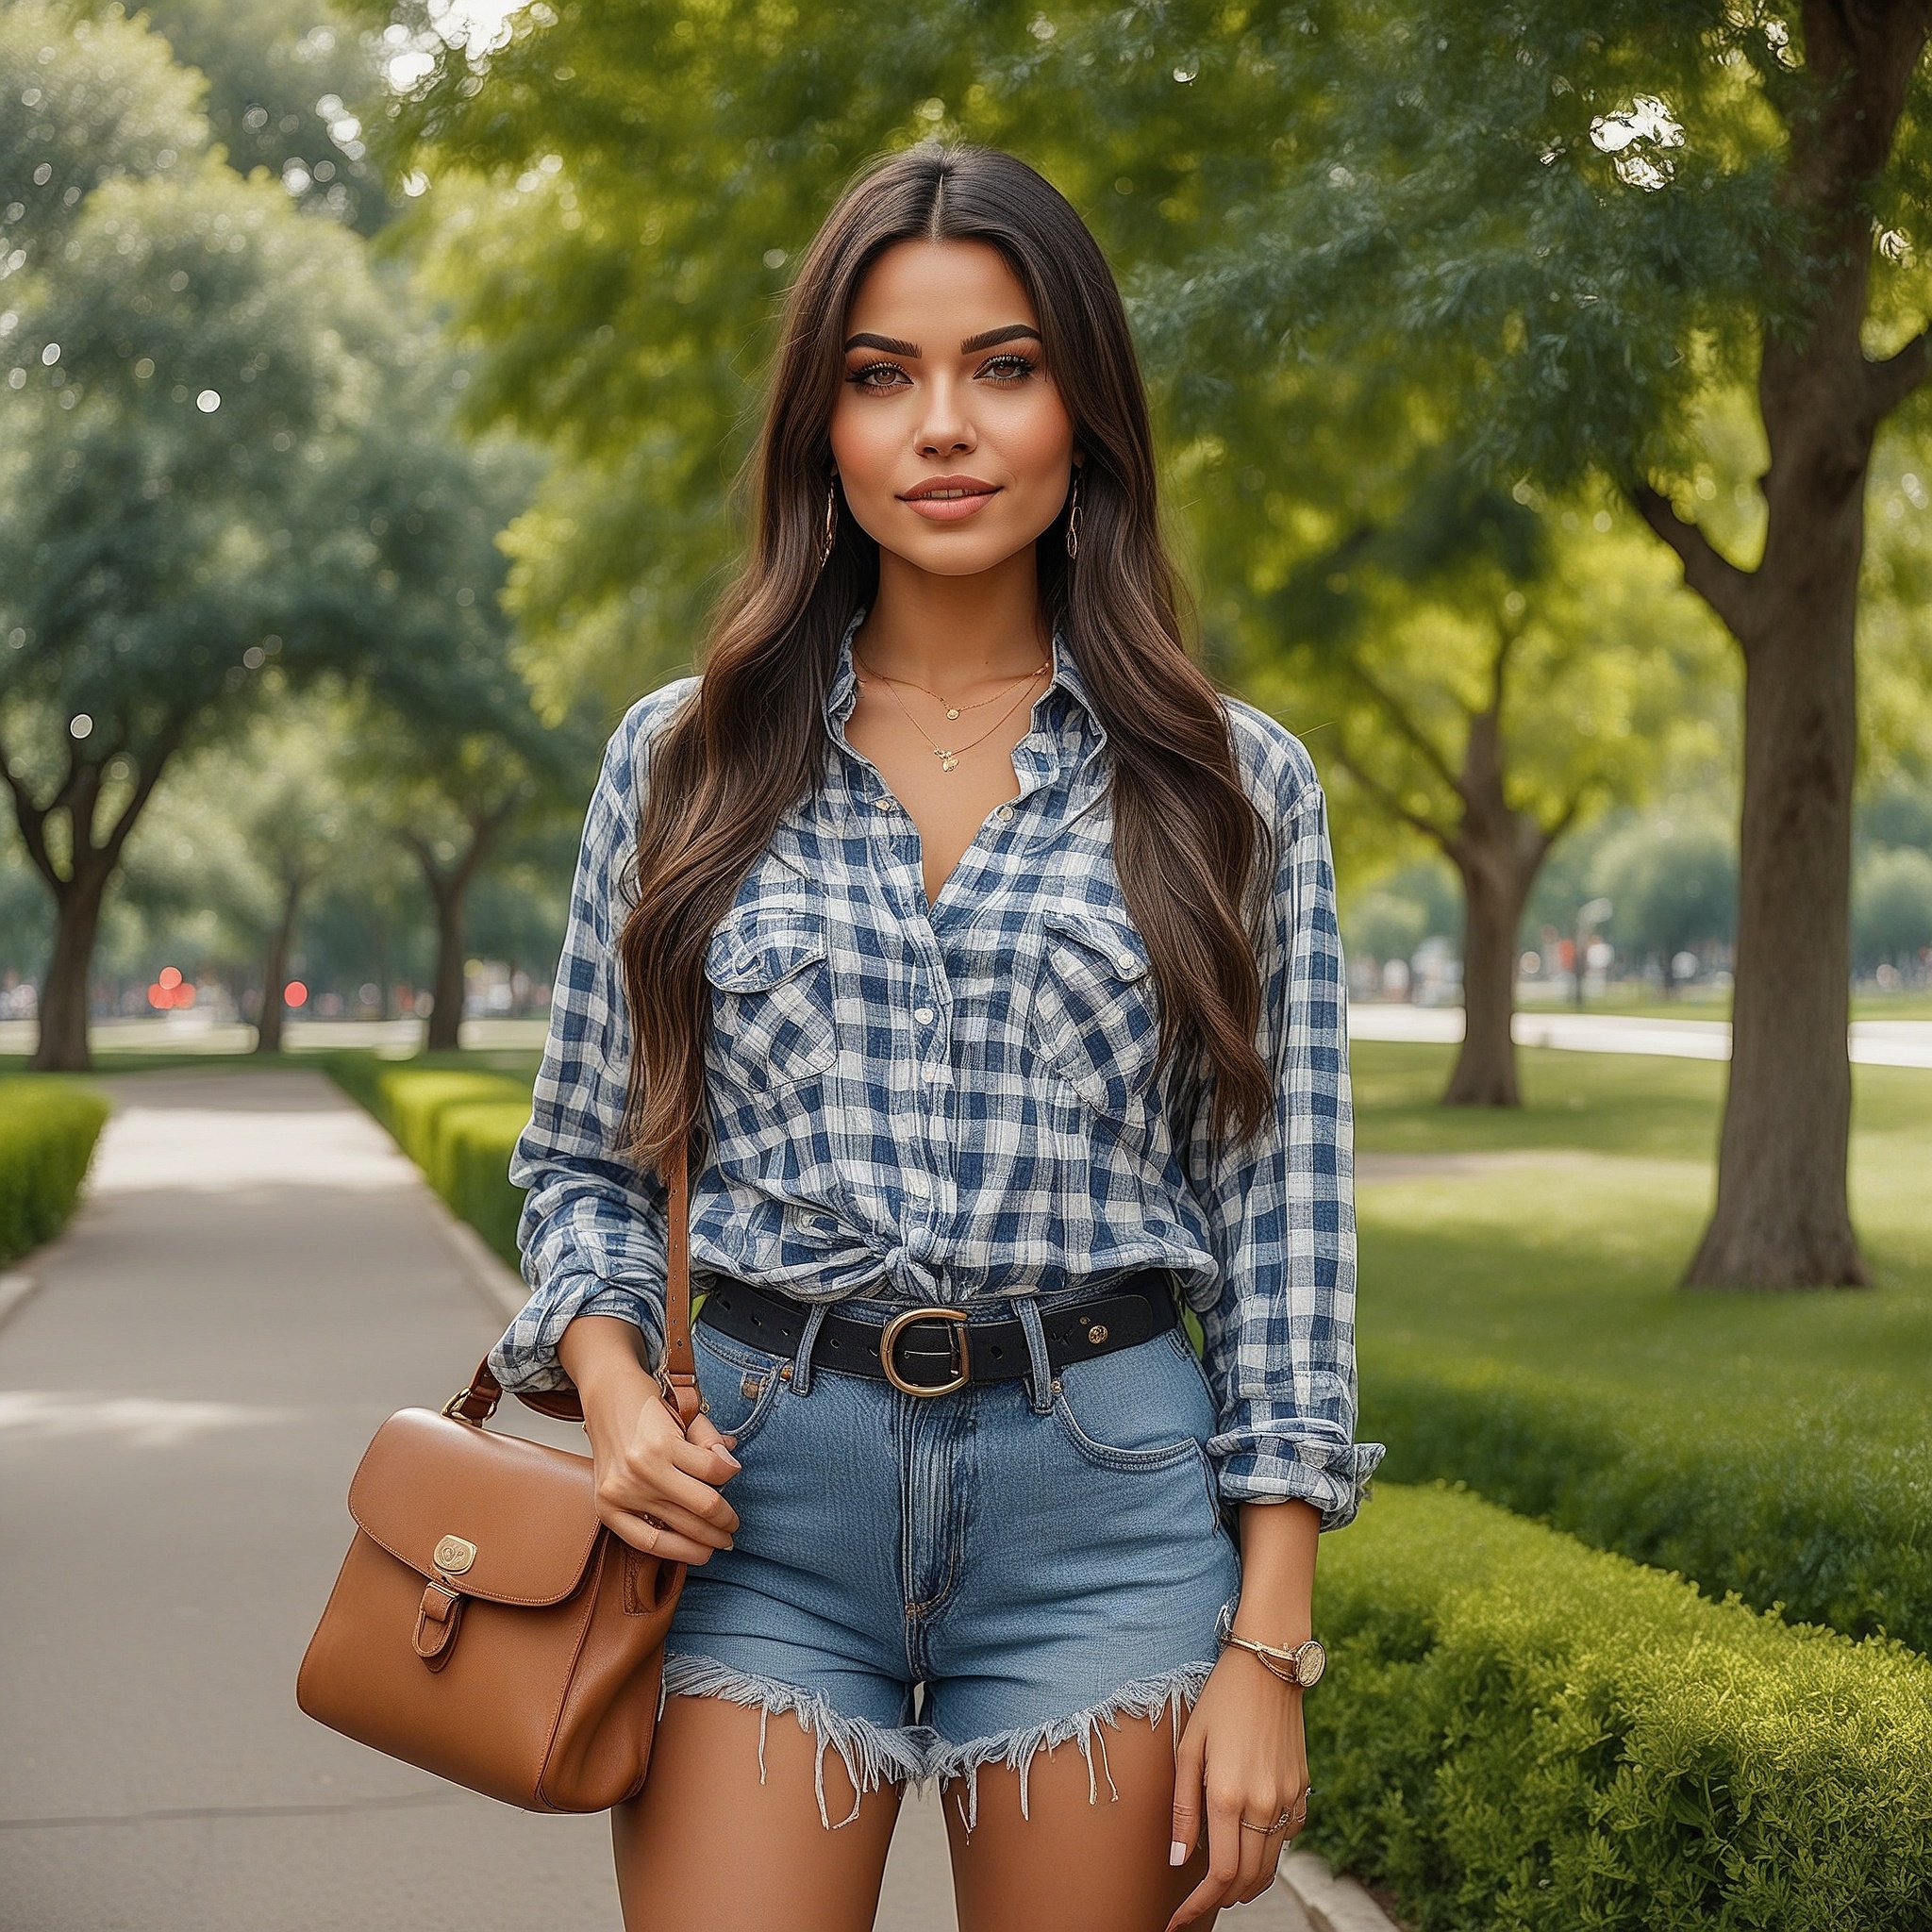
[48, 1128]
[457, 1125]
[1518, 1732]
[1814, 1515]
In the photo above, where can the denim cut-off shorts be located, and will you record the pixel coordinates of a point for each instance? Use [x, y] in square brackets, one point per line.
[1033, 1573]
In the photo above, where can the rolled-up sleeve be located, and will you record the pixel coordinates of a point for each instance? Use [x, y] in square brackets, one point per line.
[593, 1230]
[1279, 1331]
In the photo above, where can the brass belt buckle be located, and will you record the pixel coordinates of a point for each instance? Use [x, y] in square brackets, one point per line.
[962, 1363]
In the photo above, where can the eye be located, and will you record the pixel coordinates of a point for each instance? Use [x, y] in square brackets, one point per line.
[1008, 368]
[876, 376]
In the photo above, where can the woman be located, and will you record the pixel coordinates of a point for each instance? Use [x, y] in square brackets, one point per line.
[992, 955]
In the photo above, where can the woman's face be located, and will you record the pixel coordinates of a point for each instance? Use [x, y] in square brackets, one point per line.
[949, 434]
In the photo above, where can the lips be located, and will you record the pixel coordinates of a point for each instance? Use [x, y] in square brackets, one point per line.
[948, 499]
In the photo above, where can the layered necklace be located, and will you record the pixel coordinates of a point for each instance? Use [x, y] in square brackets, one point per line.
[949, 755]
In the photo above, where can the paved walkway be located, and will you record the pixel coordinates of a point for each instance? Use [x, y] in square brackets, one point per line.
[1874, 1042]
[257, 1278]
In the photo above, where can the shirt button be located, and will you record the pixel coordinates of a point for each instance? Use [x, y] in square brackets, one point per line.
[1005, 814]
[929, 1074]
[1126, 962]
[883, 803]
[923, 1014]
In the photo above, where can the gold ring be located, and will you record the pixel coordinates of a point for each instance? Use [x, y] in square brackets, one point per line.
[1281, 1823]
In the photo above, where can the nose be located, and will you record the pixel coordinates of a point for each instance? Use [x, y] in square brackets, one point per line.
[944, 429]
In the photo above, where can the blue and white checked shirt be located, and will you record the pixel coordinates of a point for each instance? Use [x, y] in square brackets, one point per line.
[939, 1106]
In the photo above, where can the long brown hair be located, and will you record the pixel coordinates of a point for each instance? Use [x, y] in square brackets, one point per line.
[1187, 844]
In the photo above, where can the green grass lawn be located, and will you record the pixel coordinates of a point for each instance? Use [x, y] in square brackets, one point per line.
[1520, 1328]
[1569, 1265]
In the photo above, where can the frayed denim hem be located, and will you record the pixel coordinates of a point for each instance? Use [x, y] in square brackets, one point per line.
[872, 1754]
[1173, 1693]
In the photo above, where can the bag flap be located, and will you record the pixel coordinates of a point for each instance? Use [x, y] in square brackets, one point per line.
[507, 1521]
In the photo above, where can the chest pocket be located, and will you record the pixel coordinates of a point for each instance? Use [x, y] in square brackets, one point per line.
[772, 996]
[1094, 1012]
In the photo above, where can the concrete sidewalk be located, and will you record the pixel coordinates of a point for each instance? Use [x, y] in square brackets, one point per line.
[1870, 1043]
[257, 1279]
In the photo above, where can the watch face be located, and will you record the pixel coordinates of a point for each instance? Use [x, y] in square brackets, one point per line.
[1310, 1660]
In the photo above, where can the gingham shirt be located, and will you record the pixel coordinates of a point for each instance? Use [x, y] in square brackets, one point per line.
[944, 1104]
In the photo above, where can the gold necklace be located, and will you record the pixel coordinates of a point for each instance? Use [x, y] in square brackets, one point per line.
[953, 710]
[948, 758]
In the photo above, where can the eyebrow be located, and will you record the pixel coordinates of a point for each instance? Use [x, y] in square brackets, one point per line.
[891, 345]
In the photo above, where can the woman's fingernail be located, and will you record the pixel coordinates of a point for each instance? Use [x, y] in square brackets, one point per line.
[1176, 1853]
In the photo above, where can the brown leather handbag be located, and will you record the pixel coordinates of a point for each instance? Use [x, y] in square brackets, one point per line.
[486, 1625]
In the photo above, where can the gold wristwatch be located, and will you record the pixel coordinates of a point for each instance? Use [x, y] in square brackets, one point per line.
[1302, 1665]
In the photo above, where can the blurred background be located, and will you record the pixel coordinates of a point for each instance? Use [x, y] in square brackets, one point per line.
[347, 503]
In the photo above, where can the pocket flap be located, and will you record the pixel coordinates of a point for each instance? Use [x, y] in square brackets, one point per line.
[1113, 941]
[520, 1519]
[758, 947]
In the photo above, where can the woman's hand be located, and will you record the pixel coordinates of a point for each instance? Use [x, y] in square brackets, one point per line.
[1242, 1756]
[658, 1485]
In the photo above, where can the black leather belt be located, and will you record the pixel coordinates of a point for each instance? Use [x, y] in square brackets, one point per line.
[933, 1351]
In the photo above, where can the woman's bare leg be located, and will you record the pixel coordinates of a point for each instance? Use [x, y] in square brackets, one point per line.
[1072, 1865]
[707, 1846]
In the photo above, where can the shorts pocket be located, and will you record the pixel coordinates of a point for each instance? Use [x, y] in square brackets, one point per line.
[740, 1384]
[1138, 1408]
[772, 1024]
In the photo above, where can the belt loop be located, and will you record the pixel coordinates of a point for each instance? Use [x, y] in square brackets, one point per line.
[800, 1362]
[1041, 1381]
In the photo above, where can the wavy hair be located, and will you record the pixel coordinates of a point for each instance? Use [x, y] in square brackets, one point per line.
[1189, 845]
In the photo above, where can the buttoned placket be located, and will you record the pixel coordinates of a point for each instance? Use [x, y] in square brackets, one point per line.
[894, 840]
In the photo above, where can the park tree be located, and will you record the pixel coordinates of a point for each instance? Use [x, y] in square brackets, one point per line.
[187, 377]
[1587, 231]
[1486, 671]
[452, 772]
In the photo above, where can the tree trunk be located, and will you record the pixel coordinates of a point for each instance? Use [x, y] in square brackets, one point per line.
[63, 1047]
[1783, 1218]
[1484, 1072]
[446, 1014]
[275, 974]
[1497, 851]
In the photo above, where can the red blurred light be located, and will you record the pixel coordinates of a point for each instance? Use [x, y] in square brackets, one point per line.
[295, 994]
[170, 977]
[184, 996]
[159, 998]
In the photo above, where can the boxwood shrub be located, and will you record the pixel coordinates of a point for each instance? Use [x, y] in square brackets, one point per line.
[1519, 1732]
[1810, 1513]
[48, 1127]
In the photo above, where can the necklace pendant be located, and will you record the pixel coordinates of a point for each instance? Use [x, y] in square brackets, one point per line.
[952, 713]
[946, 764]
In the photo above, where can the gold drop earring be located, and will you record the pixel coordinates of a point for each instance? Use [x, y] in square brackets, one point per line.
[1074, 516]
[829, 535]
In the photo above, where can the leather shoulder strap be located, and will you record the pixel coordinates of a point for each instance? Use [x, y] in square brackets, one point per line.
[678, 1371]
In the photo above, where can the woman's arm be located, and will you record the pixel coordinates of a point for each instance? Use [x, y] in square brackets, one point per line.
[1243, 1756]
[1280, 1344]
[591, 1233]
